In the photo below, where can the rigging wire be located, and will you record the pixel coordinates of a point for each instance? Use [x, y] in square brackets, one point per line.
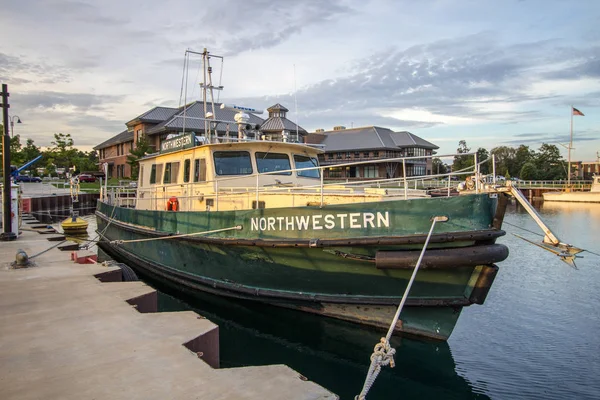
[182, 78]
[220, 79]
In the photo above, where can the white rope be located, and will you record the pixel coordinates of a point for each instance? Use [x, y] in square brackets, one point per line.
[237, 227]
[383, 353]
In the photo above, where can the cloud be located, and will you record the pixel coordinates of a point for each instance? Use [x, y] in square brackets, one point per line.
[472, 77]
[260, 24]
[58, 100]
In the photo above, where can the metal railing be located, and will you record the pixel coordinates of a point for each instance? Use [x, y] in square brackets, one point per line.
[221, 189]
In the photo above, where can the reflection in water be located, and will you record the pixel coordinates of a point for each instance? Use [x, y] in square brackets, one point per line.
[591, 210]
[333, 353]
[537, 334]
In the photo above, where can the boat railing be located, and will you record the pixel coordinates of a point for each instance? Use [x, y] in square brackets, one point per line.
[224, 188]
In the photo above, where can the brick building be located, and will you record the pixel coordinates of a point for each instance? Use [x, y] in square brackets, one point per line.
[159, 122]
[343, 145]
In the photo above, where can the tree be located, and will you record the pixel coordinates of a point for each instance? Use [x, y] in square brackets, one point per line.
[528, 172]
[142, 147]
[549, 163]
[462, 162]
[523, 155]
[438, 167]
[505, 159]
[62, 154]
[482, 154]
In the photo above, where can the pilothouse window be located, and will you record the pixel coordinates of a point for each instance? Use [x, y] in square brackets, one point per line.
[156, 171]
[307, 162]
[200, 170]
[232, 163]
[272, 162]
[171, 172]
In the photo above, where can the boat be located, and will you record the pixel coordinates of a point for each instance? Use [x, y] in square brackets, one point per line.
[74, 225]
[593, 196]
[253, 219]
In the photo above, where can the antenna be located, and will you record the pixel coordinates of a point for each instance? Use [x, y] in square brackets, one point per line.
[296, 103]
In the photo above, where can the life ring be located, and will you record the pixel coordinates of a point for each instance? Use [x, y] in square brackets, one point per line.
[172, 204]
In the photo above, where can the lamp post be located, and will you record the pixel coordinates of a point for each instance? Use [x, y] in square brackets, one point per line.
[12, 124]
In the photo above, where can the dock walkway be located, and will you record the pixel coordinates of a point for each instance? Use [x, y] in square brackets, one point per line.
[64, 334]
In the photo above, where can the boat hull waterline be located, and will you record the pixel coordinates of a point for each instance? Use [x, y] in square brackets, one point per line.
[357, 272]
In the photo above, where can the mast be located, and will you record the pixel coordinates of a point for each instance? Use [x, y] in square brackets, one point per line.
[570, 147]
[204, 61]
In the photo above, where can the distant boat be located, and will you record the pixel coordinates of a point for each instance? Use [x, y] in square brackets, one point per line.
[593, 196]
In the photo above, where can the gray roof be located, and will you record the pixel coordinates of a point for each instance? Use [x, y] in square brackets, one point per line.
[277, 107]
[371, 138]
[192, 123]
[122, 137]
[407, 139]
[157, 114]
[278, 124]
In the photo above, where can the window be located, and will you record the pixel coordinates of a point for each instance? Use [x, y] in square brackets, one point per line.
[330, 156]
[154, 172]
[232, 163]
[307, 162]
[171, 172]
[141, 176]
[271, 162]
[356, 154]
[347, 154]
[186, 170]
[200, 170]
[366, 154]
[371, 171]
[335, 172]
[375, 154]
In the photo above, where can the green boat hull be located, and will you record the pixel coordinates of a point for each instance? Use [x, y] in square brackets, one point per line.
[353, 265]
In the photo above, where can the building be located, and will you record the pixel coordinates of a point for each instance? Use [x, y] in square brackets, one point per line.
[278, 128]
[372, 143]
[114, 152]
[584, 169]
[158, 123]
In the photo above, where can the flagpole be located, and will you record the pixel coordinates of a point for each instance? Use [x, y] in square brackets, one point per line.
[570, 145]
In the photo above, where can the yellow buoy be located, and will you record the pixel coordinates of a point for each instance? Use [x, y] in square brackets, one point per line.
[74, 225]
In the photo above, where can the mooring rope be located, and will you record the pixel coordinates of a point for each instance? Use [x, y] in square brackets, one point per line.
[383, 353]
[524, 229]
[110, 219]
[48, 249]
[117, 242]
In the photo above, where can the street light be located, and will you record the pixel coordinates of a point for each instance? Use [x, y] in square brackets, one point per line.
[12, 124]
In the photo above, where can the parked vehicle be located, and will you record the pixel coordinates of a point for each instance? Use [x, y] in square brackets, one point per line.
[86, 178]
[26, 178]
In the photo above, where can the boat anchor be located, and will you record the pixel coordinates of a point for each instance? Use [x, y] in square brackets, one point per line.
[566, 252]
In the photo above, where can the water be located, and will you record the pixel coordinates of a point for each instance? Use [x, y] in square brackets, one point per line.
[535, 338]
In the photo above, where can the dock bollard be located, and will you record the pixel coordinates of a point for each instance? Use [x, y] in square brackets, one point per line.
[21, 259]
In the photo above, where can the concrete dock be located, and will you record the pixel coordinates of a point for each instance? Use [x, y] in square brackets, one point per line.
[75, 331]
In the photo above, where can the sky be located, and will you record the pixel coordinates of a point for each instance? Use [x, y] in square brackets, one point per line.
[493, 73]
